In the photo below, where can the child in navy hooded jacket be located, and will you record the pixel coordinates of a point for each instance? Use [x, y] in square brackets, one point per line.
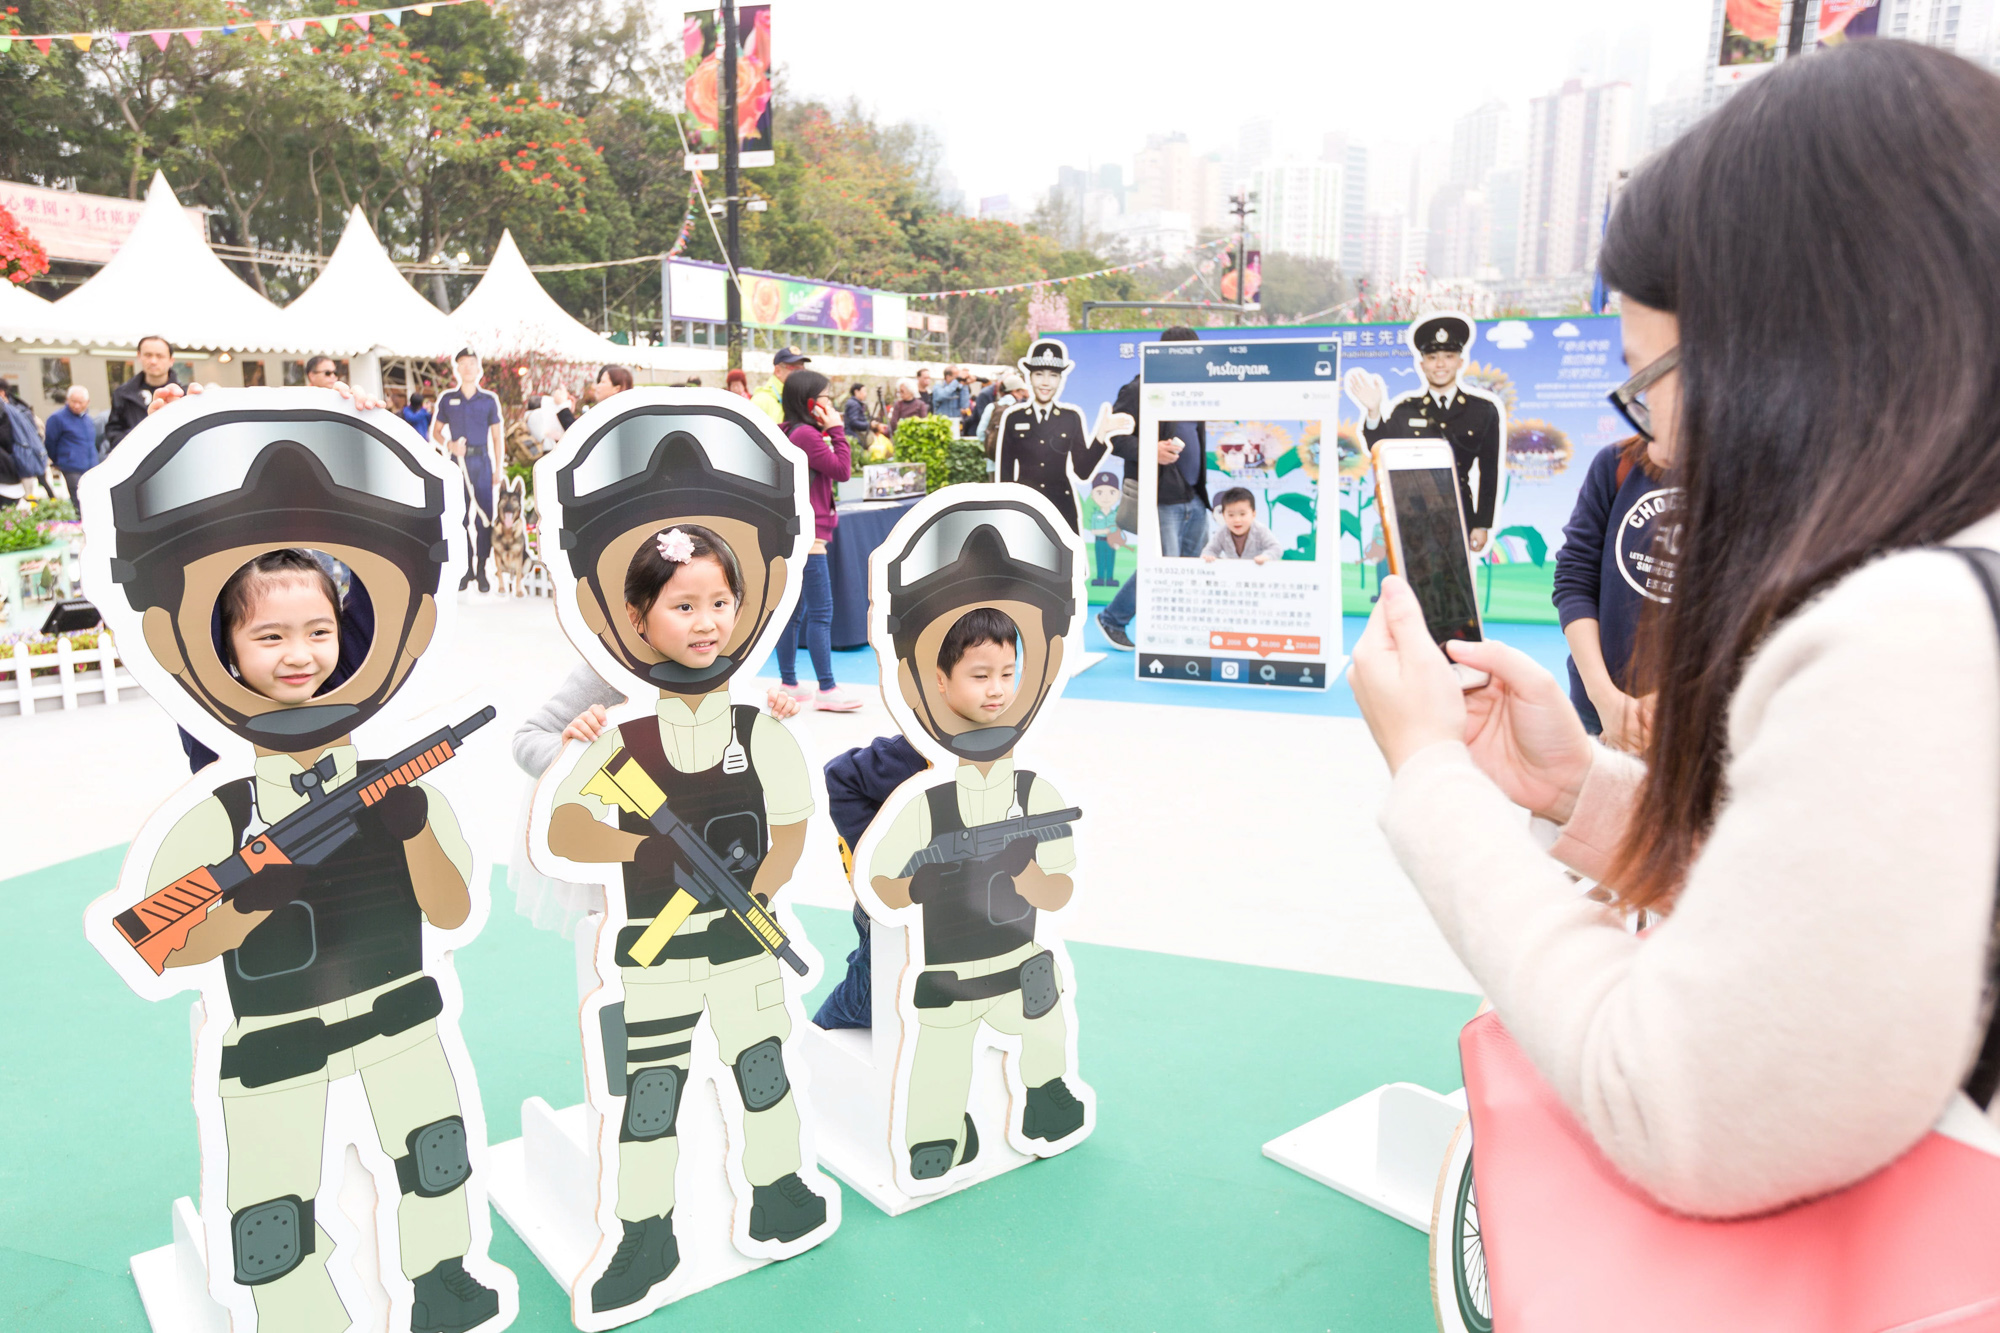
[1619, 551]
[857, 782]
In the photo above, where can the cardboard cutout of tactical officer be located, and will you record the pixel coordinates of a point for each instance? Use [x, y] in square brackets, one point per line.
[1042, 443]
[977, 607]
[676, 518]
[306, 884]
[1472, 421]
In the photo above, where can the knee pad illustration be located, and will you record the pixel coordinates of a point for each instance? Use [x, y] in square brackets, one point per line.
[977, 599]
[675, 527]
[270, 561]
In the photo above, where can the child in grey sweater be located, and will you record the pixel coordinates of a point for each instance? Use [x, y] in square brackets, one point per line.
[1241, 536]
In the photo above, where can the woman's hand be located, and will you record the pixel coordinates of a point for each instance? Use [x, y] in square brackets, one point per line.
[587, 726]
[1522, 730]
[1405, 686]
[781, 703]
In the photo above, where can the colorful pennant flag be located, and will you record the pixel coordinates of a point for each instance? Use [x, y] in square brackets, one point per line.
[264, 29]
[193, 36]
[298, 27]
[269, 29]
[81, 40]
[124, 39]
[42, 45]
[394, 16]
[161, 38]
[329, 24]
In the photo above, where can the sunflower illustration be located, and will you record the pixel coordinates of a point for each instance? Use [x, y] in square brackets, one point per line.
[1484, 375]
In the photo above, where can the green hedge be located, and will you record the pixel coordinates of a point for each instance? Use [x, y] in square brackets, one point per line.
[947, 458]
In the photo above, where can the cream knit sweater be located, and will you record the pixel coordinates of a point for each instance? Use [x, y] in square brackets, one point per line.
[1814, 1000]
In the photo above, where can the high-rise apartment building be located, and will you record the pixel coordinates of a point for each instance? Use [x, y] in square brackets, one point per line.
[1578, 140]
[1167, 175]
[1352, 159]
[1299, 208]
[1478, 145]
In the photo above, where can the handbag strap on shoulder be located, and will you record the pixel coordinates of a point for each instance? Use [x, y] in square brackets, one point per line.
[1984, 1079]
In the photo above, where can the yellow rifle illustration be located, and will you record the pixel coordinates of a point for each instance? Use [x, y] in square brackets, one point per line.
[702, 876]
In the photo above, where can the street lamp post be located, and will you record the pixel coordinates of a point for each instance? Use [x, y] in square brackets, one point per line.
[1241, 205]
[732, 198]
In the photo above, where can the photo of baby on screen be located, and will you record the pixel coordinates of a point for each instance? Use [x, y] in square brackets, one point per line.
[1263, 482]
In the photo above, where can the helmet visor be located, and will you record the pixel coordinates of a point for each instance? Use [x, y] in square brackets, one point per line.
[219, 460]
[626, 448]
[940, 543]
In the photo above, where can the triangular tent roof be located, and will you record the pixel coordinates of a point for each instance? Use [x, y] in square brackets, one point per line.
[509, 314]
[361, 302]
[24, 316]
[165, 280]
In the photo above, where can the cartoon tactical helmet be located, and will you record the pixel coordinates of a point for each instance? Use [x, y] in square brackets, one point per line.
[656, 465]
[230, 485]
[997, 553]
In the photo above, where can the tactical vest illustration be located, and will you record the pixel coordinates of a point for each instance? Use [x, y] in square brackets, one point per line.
[726, 809]
[971, 910]
[354, 926]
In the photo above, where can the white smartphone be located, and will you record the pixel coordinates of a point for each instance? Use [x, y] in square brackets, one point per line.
[1416, 483]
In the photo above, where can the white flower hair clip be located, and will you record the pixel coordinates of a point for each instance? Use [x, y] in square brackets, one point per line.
[676, 546]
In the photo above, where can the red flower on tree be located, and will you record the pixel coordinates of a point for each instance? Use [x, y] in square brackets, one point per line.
[21, 255]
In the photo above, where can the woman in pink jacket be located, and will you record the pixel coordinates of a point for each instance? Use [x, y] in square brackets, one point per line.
[812, 423]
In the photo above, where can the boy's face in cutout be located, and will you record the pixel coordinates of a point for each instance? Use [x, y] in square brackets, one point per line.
[980, 686]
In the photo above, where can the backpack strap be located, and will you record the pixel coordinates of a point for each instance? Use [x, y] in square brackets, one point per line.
[238, 800]
[641, 737]
[1024, 782]
[1624, 468]
[1984, 1079]
[943, 801]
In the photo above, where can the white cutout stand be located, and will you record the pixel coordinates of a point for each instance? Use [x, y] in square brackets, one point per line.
[545, 1182]
[1384, 1148]
[852, 1071]
[173, 1279]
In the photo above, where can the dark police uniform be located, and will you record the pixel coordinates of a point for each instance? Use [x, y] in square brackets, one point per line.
[1039, 446]
[1469, 422]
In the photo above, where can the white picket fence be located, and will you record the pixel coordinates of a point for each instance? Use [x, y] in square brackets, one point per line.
[93, 675]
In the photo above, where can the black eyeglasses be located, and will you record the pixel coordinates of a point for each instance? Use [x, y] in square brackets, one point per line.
[1626, 397]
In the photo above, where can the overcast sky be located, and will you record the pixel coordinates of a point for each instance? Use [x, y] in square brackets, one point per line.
[1016, 89]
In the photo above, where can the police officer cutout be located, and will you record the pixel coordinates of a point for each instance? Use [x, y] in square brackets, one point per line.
[467, 423]
[980, 599]
[679, 600]
[1469, 420]
[324, 961]
[1042, 443]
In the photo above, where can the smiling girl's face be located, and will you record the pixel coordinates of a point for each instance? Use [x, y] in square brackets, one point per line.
[693, 616]
[287, 645]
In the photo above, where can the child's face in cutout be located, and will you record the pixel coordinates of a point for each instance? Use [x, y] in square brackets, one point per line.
[1238, 517]
[286, 647]
[1106, 496]
[693, 616]
[981, 686]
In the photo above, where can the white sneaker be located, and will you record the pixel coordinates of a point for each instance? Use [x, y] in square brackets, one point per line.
[803, 693]
[836, 700]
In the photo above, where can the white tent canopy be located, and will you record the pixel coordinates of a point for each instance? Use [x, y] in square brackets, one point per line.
[510, 315]
[360, 302]
[165, 280]
[24, 316]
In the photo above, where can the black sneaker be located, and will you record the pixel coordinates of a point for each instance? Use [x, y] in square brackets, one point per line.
[1052, 1113]
[449, 1299]
[784, 1210]
[1116, 633]
[465, 582]
[648, 1255]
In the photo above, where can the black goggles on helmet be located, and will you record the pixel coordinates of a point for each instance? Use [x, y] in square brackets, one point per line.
[217, 456]
[628, 447]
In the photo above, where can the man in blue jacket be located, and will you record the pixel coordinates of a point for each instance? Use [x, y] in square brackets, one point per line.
[71, 438]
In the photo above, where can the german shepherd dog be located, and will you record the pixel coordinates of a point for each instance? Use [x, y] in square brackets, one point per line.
[510, 539]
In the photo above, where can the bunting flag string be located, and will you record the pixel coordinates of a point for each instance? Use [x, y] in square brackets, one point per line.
[269, 29]
[1204, 247]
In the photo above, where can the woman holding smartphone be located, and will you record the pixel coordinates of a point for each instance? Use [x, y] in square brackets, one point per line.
[1812, 314]
[814, 426]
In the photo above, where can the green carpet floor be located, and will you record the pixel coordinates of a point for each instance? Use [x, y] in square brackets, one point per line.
[1168, 1217]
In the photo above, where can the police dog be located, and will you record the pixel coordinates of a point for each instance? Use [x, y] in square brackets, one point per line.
[510, 539]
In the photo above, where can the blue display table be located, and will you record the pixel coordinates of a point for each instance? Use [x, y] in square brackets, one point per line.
[863, 527]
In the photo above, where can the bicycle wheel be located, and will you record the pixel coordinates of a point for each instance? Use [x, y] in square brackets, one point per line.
[1459, 1292]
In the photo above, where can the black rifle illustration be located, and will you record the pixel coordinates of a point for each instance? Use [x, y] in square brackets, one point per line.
[702, 877]
[986, 840]
[160, 923]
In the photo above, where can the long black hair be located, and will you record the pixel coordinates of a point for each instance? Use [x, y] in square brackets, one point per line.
[1830, 243]
[801, 388]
